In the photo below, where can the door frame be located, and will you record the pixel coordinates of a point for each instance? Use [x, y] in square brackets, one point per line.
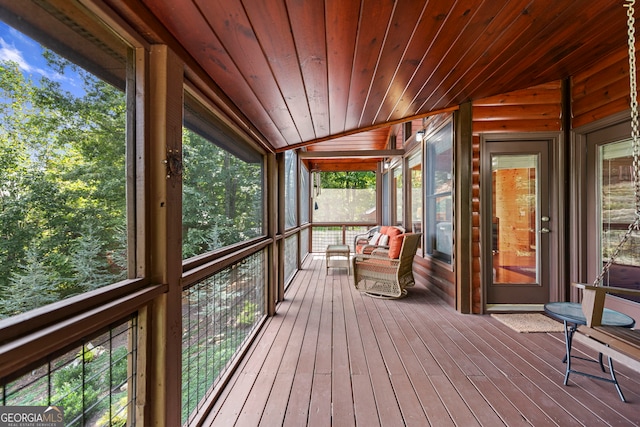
[558, 257]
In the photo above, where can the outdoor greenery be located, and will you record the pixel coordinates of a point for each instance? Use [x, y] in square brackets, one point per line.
[222, 197]
[218, 315]
[62, 187]
[354, 180]
[63, 223]
[346, 197]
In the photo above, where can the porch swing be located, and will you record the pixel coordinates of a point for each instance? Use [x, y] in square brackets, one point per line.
[589, 322]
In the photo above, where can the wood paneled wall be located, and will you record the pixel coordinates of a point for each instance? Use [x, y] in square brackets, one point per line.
[600, 91]
[535, 109]
[597, 92]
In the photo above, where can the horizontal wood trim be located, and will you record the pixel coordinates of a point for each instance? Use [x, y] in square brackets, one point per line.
[435, 274]
[23, 352]
[351, 154]
[345, 224]
[42, 317]
[517, 126]
[196, 261]
[541, 94]
[203, 271]
[342, 165]
[517, 112]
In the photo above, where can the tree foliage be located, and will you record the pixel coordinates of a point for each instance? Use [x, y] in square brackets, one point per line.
[222, 197]
[354, 179]
[62, 186]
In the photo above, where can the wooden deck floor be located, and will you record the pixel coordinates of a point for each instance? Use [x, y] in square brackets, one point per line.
[332, 356]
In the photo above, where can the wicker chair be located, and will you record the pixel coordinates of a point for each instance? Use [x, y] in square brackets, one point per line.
[361, 241]
[380, 276]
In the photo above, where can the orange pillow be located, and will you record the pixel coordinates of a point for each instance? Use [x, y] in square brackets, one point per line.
[384, 229]
[393, 231]
[395, 245]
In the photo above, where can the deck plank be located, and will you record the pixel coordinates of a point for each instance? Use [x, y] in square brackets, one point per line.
[335, 357]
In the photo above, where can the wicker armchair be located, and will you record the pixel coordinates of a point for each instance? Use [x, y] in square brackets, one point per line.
[381, 276]
[361, 243]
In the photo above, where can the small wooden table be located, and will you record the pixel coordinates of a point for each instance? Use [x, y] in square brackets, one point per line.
[338, 256]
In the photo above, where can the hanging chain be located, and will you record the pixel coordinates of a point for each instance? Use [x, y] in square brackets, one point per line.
[635, 137]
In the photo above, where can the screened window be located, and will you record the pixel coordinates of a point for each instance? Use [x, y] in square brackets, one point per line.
[438, 192]
[305, 195]
[346, 197]
[222, 187]
[616, 212]
[397, 186]
[415, 182]
[63, 186]
[290, 190]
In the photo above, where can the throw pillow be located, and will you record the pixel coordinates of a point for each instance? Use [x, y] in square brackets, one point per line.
[393, 231]
[384, 240]
[374, 239]
[395, 245]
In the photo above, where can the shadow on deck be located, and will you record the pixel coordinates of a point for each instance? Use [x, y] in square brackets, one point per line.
[332, 356]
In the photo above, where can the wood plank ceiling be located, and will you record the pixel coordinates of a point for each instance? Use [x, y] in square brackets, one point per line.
[304, 72]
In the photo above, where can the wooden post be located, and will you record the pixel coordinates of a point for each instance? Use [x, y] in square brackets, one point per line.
[164, 370]
[463, 157]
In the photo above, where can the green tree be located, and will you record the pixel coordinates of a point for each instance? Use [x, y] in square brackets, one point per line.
[62, 185]
[32, 286]
[222, 197]
[354, 179]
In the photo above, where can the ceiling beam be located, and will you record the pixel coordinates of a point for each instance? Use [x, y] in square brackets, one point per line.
[347, 154]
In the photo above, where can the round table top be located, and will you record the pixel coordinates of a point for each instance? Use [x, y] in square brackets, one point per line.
[572, 313]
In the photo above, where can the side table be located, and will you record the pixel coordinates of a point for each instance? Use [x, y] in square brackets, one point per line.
[338, 256]
[570, 313]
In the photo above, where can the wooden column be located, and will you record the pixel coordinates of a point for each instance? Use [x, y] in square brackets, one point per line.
[271, 186]
[281, 224]
[165, 238]
[463, 211]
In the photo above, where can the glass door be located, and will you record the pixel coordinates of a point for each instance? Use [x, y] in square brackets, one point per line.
[517, 222]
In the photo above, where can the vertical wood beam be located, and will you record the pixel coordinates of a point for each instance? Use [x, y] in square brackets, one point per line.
[271, 186]
[165, 237]
[463, 210]
[138, 95]
[379, 201]
[281, 221]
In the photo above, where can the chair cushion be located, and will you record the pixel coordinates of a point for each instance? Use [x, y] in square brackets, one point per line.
[395, 245]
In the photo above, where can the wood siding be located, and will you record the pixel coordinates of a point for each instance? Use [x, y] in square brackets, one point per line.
[535, 109]
[600, 91]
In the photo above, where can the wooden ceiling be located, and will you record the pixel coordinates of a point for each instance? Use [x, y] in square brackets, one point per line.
[303, 72]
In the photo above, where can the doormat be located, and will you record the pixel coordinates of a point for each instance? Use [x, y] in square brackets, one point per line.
[529, 322]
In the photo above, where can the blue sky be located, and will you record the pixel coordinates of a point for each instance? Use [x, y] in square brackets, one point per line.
[27, 53]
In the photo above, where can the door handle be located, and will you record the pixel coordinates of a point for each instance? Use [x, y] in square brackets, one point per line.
[544, 230]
